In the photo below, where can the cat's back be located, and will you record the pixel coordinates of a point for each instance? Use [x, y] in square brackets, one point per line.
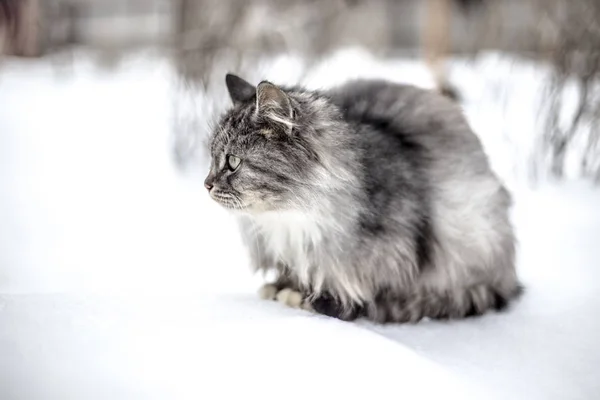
[362, 97]
[425, 118]
[422, 115]
[467, 202]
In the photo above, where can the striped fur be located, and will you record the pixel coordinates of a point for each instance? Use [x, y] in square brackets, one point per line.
[372, 200]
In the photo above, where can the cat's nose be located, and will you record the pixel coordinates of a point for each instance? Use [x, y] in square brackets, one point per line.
[208, 184]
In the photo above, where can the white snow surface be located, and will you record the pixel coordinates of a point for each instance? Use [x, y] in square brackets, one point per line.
[121, 279]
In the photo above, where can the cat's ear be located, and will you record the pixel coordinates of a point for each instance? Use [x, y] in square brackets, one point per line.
[274, 104]
[240, 91]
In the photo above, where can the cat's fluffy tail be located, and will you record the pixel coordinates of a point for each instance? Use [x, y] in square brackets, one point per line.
[473, 301]
[450, 91]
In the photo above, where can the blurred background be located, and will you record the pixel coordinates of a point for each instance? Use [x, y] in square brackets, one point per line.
[204, 38]
[120, 278]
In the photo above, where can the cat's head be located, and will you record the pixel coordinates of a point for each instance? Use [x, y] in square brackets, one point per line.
[262, 154]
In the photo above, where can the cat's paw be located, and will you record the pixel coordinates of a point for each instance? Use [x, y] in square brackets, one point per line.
[290, 298]
[328, 305]
[286, 296]
[268, 292]
[307, 306]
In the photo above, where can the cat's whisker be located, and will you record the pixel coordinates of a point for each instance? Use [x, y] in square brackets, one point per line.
[238, 203]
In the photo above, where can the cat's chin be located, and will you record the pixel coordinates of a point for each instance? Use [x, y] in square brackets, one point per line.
[255, 210]
[228, 202]
[237, 208]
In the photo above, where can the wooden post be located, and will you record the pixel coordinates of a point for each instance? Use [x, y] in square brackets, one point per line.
[8, 17]
[20, 28]
[436, 37]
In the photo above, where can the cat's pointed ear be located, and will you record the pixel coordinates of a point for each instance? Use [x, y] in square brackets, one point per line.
[240, 91]
[274, 103]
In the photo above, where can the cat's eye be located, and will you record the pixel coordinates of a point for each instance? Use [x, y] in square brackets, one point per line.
[233, 162]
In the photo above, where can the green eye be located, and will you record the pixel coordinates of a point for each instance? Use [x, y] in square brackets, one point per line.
[233, 162]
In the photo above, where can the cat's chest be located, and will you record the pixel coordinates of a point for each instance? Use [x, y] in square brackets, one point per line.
[290, 237]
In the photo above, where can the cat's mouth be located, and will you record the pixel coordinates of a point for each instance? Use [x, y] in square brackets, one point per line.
[227, 200]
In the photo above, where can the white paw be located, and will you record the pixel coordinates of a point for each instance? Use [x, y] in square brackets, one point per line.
[289, 297]
[267, 292]
[306, 306]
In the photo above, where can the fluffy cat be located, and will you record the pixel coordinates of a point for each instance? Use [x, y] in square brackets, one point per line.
[372, 199]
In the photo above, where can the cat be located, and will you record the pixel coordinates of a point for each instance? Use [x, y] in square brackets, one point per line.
[369, 200]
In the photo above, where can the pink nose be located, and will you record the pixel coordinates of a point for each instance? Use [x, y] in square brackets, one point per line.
[208, 182]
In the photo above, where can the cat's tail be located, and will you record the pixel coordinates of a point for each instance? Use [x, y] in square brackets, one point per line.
[450, 91]
[455, 304]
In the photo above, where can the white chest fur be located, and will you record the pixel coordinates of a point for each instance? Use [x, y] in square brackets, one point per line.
[290, 237]
[304, 243]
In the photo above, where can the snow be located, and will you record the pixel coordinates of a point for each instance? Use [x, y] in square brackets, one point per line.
[120, 279]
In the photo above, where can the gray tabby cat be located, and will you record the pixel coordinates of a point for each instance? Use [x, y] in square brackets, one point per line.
[370, 200]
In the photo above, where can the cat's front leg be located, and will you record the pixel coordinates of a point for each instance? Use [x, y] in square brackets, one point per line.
[290, 296]
[326, 304]
[285, 290]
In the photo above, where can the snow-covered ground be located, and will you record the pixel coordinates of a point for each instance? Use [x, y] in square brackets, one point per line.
[120, 279]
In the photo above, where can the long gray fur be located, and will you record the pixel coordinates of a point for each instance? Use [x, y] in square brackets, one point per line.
[373, 199]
